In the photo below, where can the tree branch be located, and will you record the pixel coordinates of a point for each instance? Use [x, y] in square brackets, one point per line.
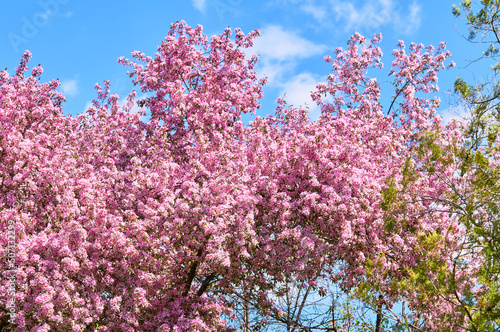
[192, 272]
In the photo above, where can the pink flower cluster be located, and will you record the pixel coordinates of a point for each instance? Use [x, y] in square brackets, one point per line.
[125, 224]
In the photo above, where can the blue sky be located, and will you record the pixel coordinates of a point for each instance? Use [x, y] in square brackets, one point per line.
[79, 42]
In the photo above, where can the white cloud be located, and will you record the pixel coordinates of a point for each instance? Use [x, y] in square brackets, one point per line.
[368, 16]
[70, 87]
[280, 50]
[297, 92]
[413, 18]
[372, 14]
[318, 12]
[199, 4]
[87, 106]
[458, 113]
[280, 44]
[273, 70]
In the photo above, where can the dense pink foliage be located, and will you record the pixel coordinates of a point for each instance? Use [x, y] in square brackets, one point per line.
[129, 224]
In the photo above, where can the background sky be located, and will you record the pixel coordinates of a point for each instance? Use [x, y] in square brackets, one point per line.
[79, 42]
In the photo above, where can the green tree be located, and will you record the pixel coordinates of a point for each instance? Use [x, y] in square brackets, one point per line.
[476, 201]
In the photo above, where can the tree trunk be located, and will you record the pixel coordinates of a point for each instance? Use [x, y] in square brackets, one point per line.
[378, 323]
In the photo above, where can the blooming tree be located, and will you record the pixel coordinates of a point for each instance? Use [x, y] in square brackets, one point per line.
[129, 224]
